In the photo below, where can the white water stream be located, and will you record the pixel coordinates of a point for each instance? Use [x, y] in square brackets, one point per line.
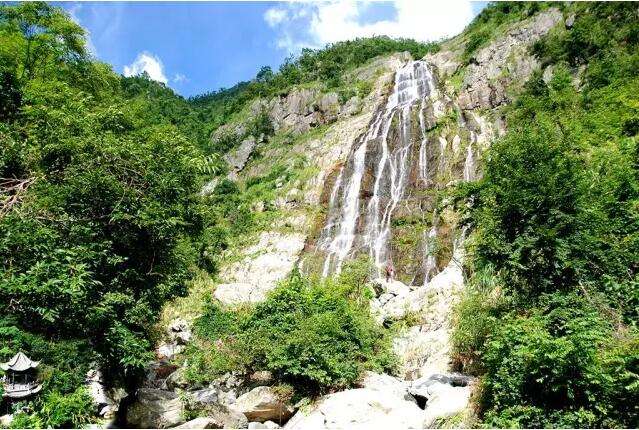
[389, 162]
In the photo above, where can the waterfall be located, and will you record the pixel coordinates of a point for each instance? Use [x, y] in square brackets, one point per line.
[423, 148]
[469, 164]
[388, 162]
[430, 261]
[340, 245]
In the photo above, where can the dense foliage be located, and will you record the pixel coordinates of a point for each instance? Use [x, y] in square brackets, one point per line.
[551, 319]
[98, 215]
[311, 334]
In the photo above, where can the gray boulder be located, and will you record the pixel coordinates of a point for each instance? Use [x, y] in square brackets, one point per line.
[156, 409]
[444, 401]
[444, 395]
[176, 380]
[360, 408]
[385, 383]
[238, 158]
[263, 404]
[218, 417]
[204, 397]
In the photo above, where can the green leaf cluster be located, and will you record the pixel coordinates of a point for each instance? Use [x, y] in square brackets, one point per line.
[314, 335]
[100, 222]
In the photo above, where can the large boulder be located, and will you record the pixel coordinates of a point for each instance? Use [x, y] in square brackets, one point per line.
[444, 401]
[237, 159]
[360, 408]
[385, 383]
[106, 401]
[217, 417]
[264, 404]
[421, 388]
[156, 409]
[203, 397]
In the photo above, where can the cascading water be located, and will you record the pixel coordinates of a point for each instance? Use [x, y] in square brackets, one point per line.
[388, 162]
[469, 164]
[423, 148]
[430, 262]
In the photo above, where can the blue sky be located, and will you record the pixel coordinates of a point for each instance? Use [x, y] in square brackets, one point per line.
[196, 47]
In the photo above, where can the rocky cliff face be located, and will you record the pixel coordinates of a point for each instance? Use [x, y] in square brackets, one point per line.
[371, 179]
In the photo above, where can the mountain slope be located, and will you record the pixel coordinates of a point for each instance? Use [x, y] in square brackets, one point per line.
[245, 235]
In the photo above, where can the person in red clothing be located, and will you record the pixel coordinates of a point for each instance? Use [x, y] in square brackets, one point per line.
[390, 271]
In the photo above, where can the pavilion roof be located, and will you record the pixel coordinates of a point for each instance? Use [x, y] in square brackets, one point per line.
[19, 363]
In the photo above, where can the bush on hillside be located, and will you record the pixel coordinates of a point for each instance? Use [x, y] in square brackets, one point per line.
[554, 334]
[564, 359]
[312, 334]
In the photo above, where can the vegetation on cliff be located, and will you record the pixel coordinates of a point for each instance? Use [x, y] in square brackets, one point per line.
[550, 320]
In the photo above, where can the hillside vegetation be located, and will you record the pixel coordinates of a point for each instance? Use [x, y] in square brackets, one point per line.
[550, 319]
[102, 223]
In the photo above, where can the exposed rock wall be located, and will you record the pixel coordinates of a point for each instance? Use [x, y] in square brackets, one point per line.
[277, 251]
[504, 63]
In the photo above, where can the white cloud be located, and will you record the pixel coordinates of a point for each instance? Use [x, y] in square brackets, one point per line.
[274, 16]
[316, 24]
[149, 63]
[179, 77]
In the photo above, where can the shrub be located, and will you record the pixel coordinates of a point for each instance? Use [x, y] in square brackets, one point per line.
[552, 367]
[67, 411]
[26, 421]
[475, 317]
[556, 230]
[312, 334]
